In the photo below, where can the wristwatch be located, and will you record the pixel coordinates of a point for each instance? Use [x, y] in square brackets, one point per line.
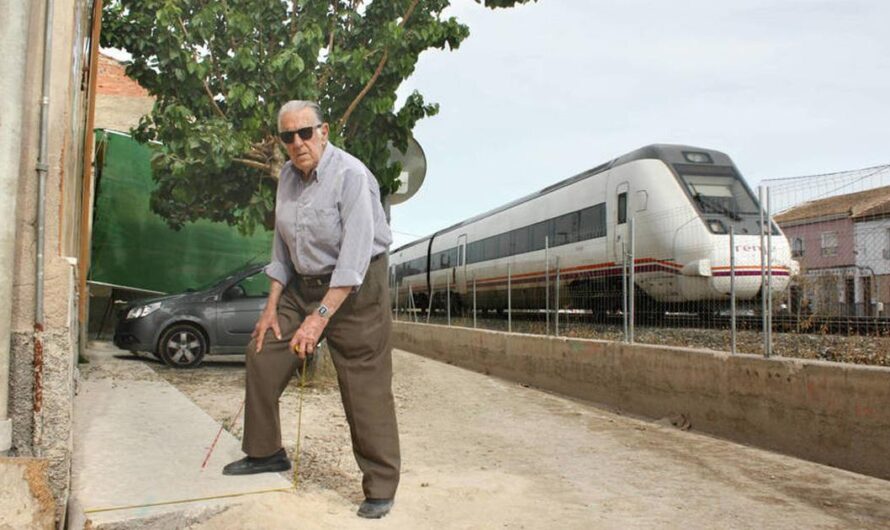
[323, 311]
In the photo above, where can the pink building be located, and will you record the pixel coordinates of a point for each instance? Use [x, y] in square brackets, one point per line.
[837, 241]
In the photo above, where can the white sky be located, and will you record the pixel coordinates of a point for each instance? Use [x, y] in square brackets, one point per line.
[544, 91]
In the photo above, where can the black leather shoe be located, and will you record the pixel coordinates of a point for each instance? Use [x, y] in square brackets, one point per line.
[374, 508]
[250, 465]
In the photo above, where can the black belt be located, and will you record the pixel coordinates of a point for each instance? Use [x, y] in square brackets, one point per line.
[324, 279]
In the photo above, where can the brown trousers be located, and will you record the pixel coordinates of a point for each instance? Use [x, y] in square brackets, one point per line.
[358, 338]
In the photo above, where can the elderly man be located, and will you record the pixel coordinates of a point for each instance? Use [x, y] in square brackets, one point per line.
[328, 278]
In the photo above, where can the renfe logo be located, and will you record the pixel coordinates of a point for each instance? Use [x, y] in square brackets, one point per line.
[752, 248]
[747, 248]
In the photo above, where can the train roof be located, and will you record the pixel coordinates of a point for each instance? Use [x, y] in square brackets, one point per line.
[669, 153]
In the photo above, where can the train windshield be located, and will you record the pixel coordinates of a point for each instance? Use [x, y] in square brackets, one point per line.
[722, 194]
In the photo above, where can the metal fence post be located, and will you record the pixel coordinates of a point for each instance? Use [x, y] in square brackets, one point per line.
[763, 294]
[556, 305]
[474, 302]
[769, 275]
[732, 315]
[411, 303]
[509, 298]
[448, 298]
[631, 283]
[547, 283]
[429, 309]
[624, 289]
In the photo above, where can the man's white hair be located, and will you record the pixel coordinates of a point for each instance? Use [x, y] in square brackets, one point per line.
[296, 105]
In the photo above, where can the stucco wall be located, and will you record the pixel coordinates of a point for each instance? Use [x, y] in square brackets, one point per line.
[41, 407]
[873, 245]
[812, 237]
[831, 413]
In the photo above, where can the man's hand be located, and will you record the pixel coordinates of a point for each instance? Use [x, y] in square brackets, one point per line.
[308, 335]
[268, 320]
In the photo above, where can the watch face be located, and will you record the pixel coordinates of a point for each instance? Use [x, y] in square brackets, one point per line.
[323, 310]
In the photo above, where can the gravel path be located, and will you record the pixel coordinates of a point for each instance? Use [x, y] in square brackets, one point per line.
[483, 453]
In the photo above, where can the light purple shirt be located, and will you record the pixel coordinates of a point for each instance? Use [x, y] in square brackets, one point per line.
[331, 224]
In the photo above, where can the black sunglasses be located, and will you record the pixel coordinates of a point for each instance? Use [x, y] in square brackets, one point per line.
[304, 133]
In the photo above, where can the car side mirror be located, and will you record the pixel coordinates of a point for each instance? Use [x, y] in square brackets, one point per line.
[234, 292]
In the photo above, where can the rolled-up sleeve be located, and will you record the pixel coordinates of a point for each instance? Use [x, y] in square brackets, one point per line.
[357, 218]
[280, 268]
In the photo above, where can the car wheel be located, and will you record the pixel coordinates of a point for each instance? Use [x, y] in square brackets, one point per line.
[182, 346]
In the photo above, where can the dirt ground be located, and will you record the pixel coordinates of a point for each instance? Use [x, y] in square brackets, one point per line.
[483, 453]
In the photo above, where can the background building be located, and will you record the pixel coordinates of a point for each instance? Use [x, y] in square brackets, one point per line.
[120, 101]
[843, 246]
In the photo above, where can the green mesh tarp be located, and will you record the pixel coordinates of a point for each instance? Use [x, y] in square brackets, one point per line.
[132, 247]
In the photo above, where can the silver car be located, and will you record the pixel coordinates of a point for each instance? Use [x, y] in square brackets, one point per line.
[181, 329]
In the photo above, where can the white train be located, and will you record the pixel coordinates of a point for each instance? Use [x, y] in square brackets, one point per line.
[683, 201]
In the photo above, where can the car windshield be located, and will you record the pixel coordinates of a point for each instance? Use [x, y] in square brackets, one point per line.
[722, 194]
[220, 279]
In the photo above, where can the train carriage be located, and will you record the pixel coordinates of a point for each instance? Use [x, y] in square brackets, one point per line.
[683, 201]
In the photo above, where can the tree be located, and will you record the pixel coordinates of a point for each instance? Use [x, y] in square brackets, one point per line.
[219, 70]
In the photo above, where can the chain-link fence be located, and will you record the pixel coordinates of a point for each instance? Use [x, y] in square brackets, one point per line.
[813, 283]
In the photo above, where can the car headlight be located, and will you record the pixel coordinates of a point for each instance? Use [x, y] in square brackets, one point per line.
[143, 310]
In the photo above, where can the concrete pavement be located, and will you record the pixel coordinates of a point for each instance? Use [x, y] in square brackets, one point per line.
[138, 442]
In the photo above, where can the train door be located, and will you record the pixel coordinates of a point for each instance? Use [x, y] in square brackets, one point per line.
[460, 276]
[618, 212]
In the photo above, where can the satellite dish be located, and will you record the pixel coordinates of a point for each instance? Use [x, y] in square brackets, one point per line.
[413, 162]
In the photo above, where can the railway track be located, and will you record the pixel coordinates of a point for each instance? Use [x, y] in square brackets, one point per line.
[783, 323]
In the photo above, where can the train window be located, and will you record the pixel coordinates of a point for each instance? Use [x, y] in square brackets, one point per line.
[460, 255]
[539, 231]
[474, 252]
[520, 240]
[722, 194]
[565, 229]
[622, 208]
[503, 245]
[593, 222]
[491, 248]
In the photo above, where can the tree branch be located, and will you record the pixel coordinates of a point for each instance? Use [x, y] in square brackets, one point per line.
[367, 88]
[336, 4]
[216, 108]
[323, 79]
[266, 168]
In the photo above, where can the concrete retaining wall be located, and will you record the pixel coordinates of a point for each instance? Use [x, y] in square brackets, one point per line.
[832, 413]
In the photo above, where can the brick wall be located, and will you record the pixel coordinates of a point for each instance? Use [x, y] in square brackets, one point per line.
[113, 81]
[120, 101]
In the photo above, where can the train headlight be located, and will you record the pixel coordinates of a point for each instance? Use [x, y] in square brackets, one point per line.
[697, 158]
[717, 226]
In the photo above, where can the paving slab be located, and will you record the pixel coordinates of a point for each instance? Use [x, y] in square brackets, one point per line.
[138, 448]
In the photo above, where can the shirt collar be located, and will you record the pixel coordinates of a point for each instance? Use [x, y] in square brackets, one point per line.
[325, 161]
